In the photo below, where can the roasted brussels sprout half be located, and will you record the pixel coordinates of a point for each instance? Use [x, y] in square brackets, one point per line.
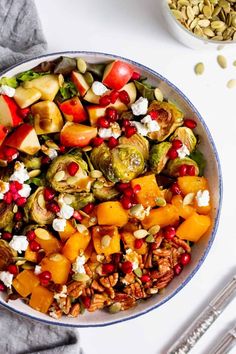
[187, 137]
[139, 142]
[61, 181]
[105, 193]
[6, 214]
[158, 156]
[32, 163]
[79, 200]
[173, 166]
[6, 255]
[122, 163]
[169, 118]
[35, 209]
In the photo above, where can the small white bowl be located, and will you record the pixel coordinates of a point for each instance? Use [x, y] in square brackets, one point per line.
[188, 38]
[200, 250]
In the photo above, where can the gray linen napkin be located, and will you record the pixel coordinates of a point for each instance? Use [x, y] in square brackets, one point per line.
[21, 37]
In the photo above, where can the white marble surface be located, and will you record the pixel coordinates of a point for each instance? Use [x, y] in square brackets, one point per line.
[135, 29]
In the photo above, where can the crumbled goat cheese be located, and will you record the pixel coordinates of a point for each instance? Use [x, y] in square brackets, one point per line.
[113, 131]
[132, 257]
[63, 293]
[203, 198]
[25, 191]
[54, 315]
[139, 212]
[59, 224]
[37, 270]
[7, 90]
[20, 173]
[52, 153]
[66, 211]
[141, 129]
[150, 124]
[6, 278]
[183, 151]
[19, 243]
[98, 88]
[78, 265]
[140, 106]
[4, 188]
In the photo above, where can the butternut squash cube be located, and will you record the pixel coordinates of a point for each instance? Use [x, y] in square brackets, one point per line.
[25, 282]
[47, 241]
[76, 243]
[112, 213]
[58, 265]
[68, 231]
[129, 240]
[30, 256]
[41, 299]
[183, 210]
[98, 232]
[193, 228]
[149, 192]
[192, 184]
[163, 216]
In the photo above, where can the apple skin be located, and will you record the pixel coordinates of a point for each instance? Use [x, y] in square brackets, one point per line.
[73, 110]
[3, 133]
[24, 139]
[80, 83]
[117, 74]
[77, 135]
[9, 112]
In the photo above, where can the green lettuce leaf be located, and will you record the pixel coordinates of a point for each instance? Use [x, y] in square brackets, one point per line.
[199, 158]
[9, 81]
[68, 90]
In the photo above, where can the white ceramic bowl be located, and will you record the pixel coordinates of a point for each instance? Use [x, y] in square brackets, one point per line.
[188, 38]
[200, 250]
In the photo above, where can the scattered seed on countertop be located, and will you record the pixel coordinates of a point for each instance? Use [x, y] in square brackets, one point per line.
[222, 61]
[231, 83]
[234, 63]
[199, 68]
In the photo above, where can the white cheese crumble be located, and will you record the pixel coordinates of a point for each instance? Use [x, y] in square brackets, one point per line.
[25, 191]
[4, 188]
[98, 88]
[113, 131]
[141, 129]
[52, 153]
[59, 224]
[139, 212]
[37, 269]
[132, 257]
[140, 107]
[6, 278]
[19, 243]
[66, 211]
[62, 294]
[150, 124]
[7, 90]
[20, 173]
[203, 198]
[78, 265]
[183, 151]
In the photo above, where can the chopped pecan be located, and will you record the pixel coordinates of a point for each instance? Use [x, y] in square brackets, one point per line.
[161, 252]
[182, 243]
[57, 288]
[164, 265]
[64, 304]
[88, 270]
[174, 257]
[158, 240]
[55, 311]
[110, 292]
[128, 279]
[126, 301]
[75, 289]
[87, 292]
[164, 280]
[98, 302]
[135, 290]
[96, 286]
[110, 281]
[148, 260]
[74, 311]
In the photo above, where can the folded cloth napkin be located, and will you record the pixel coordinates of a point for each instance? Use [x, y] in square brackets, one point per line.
[21, 36]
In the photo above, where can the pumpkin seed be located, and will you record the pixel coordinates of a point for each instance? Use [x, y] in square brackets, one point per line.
[59, 176]
[89, 78]
[234, 63]
[114, 308]
[204, 23]
[150, 239]
[20, 262]
[80, 277]
[105, 241]
[141, 233]
[81, 65]
[87, 148]
[188, 199]
[95, 174]
[160, 202]
[207, 11]
[217, 24]
[231, 83]
[178, 14]
[41, 201]
[221, 60]
[158, 94]
[61, 80]
[73, 179]
[15, 209]
[199, 68]
[52, 145]
[154, 229]
[190, 13]
[138, 272]
[34, 173]
[82, 228]
[28, 265]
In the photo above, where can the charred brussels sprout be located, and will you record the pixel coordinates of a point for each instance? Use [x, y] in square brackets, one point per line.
[32, 163]
[174, 165]
[6, 215]
[79, 200]
[6, 255]
[187, 137]
[169, 118]
[158, 156]
[139, 142]
[35, 209]
[105, 193]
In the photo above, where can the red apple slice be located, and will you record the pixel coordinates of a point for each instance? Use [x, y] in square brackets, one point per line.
[80, 83]
[3, 133]
[91, 97]
[77, 135]
[9, 116]
[24, 139]
[117, 74]
[73, 110]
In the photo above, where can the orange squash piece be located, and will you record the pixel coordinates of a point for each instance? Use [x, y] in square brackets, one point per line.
[89, 250]
[98, 232]
[68, 231]
[149, 190]
[58, 265]
[203, 209]
[112, 213]
[193, 228]
[129, 240]
[30, 256]
[183, 210]
[25, 282]
[47, 241]
[76, 243]
[163, 216]
[192, 184]
[41, 299]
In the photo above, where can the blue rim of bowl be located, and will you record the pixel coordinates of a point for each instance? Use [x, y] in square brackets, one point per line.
[202, 259]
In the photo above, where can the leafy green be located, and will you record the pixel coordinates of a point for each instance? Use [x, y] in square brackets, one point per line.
[37, 181]
[65, 65]
[45, 137]
[68, 90]
[9, 81]
[96, 69]
[199, 158]
[145, 90]
[29, 75]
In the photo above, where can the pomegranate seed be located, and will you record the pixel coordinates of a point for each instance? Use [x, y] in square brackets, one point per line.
[137, 188]
[15, 186]
[46, 275]
[97, 141]
[169, 233]
[72, 168]
[40, 256]
[116, 258]
[34, 246]
[145, 278]
[62, 149]
[127, 267]
[114, 96]
[13, 269]
[126, 202]
[86, 301]
[45, 160]
[103, 122]
[15, 196]
[125, 123]
[48, 193]
[175, 188]
[177, 144]
[153, 114]
[18, 216]
[9, 152]
[189, 123]
[178, 269]
[44, 282]
[53, 207]
[112, 114]
[2, 287]
[135, 76]
[7, 236]
[112, 142]
[138, 243]
[24, 112]
[153, 246]
[191, 170]
[183, 170]
[122, 186]
[88, 208]
[124, 97]
[108, 268]
[185, 258]
[77, 216]
[21, 201]
[8, 197]
[172, 153]
[134, 199]
[129, 131]
[30, 235]
[105, 100]
[128, 192]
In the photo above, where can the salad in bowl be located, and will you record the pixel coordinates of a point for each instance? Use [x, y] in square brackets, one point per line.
[103, 195]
